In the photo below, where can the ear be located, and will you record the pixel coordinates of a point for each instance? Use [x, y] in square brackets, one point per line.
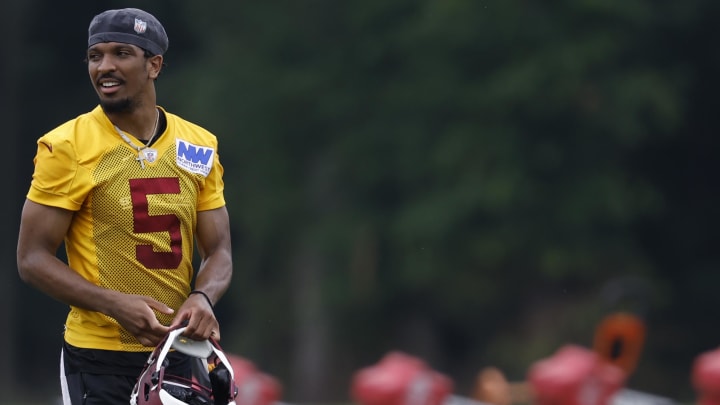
[155, 66]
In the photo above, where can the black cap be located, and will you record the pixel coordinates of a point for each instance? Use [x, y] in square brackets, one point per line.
[130, 26]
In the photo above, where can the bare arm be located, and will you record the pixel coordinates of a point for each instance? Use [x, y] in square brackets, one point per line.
[42, 230]
[214, 274]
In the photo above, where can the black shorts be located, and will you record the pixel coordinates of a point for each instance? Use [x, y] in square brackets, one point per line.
[95, 377]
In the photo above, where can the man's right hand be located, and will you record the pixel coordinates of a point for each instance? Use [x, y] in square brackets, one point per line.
[136, 314]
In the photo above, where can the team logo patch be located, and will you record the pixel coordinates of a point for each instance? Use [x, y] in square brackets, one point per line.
[194, 158]
[150, 154]
[140, 26]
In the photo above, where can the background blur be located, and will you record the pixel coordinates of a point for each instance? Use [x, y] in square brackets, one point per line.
[475, 182]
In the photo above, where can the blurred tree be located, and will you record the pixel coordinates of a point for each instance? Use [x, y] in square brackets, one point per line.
[13, 31]
[439, 161]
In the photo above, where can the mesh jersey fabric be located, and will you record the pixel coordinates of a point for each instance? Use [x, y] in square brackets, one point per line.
[132, 230]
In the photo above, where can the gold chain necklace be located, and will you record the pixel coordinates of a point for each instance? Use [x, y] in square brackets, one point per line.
[145, 154]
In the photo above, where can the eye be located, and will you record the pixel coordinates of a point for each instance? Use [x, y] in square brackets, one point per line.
[93, 57]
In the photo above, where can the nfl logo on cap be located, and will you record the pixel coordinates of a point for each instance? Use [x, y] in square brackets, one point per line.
[140, 26]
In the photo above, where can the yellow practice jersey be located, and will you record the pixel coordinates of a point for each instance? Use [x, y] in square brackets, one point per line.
[132, 230]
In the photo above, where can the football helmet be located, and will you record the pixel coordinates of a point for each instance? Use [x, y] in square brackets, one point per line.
[212, 382]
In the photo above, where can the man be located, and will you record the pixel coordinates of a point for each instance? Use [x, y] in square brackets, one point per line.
[128, 187]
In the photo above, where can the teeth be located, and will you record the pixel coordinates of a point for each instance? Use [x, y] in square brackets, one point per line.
[110, 84]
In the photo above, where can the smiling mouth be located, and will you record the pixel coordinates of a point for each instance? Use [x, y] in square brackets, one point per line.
[109, 86]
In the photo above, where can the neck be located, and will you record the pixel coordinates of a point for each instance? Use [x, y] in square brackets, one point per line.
[140, 124]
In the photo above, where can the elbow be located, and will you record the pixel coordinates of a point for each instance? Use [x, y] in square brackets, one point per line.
[23, 271]
[25, 268]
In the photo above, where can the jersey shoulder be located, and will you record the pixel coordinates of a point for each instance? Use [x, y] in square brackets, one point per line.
[190, 131]
[86, 130]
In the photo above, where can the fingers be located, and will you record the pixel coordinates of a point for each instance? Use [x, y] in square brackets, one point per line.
[147, 333]
[150, 340]
[159, 306]
[201, 327]
[195, 314]
[137, 315]
[215, 335]
[201, 321]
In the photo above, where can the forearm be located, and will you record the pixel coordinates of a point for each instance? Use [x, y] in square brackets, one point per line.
[50, 275]
[213, 238]
[211, 282]
[214, 275]
[42, 229]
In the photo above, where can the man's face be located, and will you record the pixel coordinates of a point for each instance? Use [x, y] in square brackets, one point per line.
[121, 74]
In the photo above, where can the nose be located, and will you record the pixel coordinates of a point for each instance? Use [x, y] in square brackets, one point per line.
[106, 64]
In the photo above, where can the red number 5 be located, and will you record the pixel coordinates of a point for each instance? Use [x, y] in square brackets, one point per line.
[144, 222]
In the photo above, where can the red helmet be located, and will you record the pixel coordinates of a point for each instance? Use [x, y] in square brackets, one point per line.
[155, 387]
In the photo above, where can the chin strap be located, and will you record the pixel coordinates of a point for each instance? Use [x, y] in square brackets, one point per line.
[221, 385]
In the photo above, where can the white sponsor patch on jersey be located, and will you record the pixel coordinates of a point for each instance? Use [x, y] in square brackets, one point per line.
[194, 158]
